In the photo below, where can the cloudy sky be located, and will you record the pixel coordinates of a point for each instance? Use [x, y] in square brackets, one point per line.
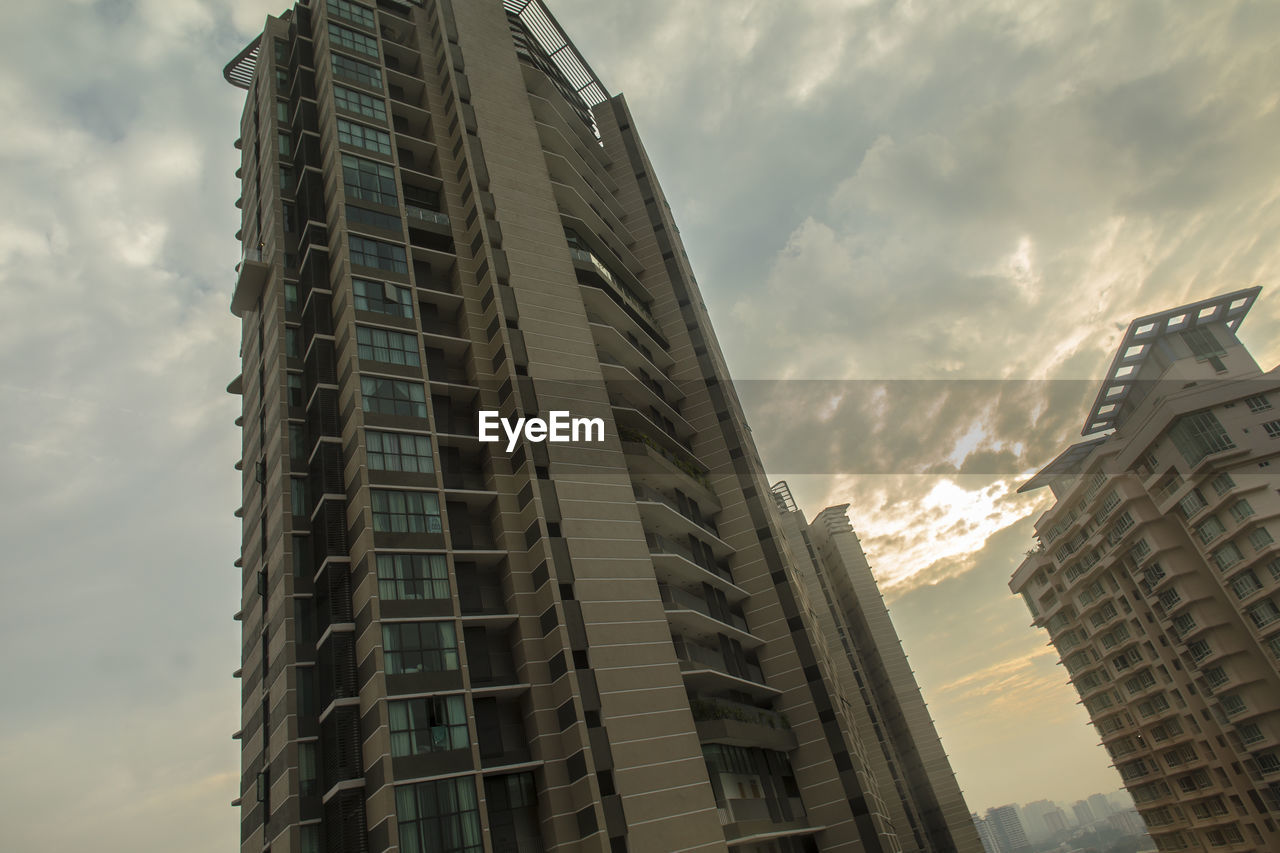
[946, 211]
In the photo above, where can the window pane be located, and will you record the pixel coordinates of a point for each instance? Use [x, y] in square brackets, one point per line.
[382, 297]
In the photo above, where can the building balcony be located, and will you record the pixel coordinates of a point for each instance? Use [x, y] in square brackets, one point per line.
[755, 821]
[668, 518]
[722, 721]
[253, 273]
[679, 564]
[705, 670]
[426, 215]
[693, 617]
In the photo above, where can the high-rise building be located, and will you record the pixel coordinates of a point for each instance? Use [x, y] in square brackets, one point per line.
[455, 644]
[1157, 576]
[1006, 828]
[1056, 821]
[898, 747]
[1033, 819]
[1084, 814]
[989, 842]
[1100, 807]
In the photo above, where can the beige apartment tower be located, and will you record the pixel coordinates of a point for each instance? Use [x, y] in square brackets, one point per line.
[1157, 576]
[449, 647]
[912, 788]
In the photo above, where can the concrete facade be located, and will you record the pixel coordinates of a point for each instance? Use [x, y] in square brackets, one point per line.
[594, 646]
[1157, 576]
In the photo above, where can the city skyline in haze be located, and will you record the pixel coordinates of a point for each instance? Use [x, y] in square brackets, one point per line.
[918, 202]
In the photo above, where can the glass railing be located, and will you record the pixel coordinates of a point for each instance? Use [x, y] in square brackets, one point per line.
[688, 601]
[426, 215]
[659, 544]
[701, 657]
[618, 287]
[699, 475]
[644, 493]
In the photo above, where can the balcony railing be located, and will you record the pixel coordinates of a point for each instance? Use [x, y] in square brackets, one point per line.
[644, 493]
[618, 287]
[659, 544]
[723, 709]
[692, 653]
[688, 601]
[425, 215]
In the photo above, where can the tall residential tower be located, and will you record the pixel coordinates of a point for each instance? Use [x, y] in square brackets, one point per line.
[1157, 576]
[585, 646]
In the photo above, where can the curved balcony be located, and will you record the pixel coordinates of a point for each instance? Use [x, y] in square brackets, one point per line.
[680, 564]
[694, 618]
[704, 669]
[663, 515]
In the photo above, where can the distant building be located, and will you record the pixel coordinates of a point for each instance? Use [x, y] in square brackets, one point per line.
[1100, 807]
[1056, 821]
[1127, 822]
[1006, 826]
[1084, 814]
[1033, 819]
[915, 794]
[988, 838]
[1157, 575]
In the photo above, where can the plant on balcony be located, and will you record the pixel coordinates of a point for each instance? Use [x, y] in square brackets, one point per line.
[698, 475]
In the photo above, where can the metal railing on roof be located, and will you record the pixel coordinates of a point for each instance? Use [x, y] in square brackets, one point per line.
[544, 27]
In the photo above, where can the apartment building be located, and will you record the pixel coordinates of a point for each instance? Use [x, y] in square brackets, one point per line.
[898, 749]
[449, 646]
[1157, 575]
[1006, 829]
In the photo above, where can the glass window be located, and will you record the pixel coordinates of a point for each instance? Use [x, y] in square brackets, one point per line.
[1184, 623]
[369, 180]
[286, 179]
[1264, 613]
[1232, 704]
[308, 779]
[358, 102]
[1210, 529]
[302, 567]
[356, 71]
[358, 215]
[371, 138]
[393, 397]
[1192, 503]
[1227, 556]
[1223, 483]
[295, 389]
[293, 342]
[1202, 342]
[1258, 403]
[1260, 538]
[398, 451]
[297, 442]
[387, 346]
[353, 12]
[282, 111]
[309, 838]
[290, 296]
[435, 724]
[410, 647]
[298, 495]
[413, 577]
[405, 512]
[1272, 429]
[383, 297]
[1199, 649]
[281, 51]
[1241, 510]
[1198, 435]
[375, 253]
[439, 817]
[1245, 585]
[352, 40]
[284, 144]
